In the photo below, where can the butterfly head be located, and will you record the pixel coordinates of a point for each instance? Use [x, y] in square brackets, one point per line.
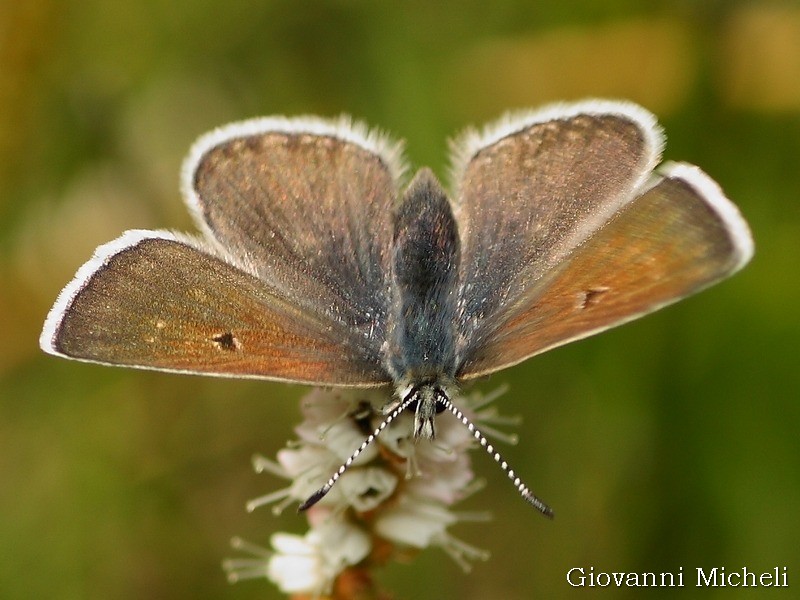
[427, 396]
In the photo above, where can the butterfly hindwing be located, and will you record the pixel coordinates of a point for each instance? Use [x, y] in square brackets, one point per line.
[155, 301]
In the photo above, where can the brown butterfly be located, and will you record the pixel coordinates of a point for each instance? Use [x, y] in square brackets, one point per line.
[316, 265]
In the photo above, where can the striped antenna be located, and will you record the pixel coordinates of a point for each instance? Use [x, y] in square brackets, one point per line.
[523, 489]
[320, 493]
[445, 402]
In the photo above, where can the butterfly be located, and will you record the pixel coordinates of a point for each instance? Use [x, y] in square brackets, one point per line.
[316, 264]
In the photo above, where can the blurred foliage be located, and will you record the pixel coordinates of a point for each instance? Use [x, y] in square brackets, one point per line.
[670, 442]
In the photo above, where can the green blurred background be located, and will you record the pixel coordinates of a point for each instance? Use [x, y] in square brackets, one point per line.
[669, 442]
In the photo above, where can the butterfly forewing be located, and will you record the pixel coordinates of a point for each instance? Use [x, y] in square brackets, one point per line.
[162, 303]
[308, 211]
[532, 189]
[676, 238]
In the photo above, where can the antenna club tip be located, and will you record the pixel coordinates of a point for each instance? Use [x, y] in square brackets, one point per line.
[543, 508]
[313, 499]
[539, 505]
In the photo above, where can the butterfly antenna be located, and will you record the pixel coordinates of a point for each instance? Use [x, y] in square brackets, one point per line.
[523, 489]
[320, 493]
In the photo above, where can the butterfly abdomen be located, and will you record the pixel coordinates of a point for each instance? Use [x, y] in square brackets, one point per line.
[425, 259]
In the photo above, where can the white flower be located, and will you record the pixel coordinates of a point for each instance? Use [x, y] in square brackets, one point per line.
[414, 522]
[303, 564]
[328, 423]
[396, 491]
[311, 563]
[297, 566]
[418, 523]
